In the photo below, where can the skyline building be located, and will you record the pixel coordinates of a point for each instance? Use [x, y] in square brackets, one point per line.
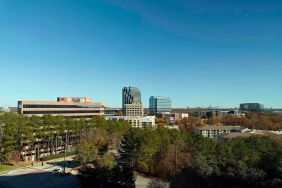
[159, 105]
[251, 107]
[131, 101]
[134, 109]
[131, 95]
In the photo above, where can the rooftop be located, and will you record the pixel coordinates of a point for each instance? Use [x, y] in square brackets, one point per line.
[220, 127]
[251, 133]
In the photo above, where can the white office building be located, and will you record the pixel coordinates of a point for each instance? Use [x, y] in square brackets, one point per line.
[136, 121]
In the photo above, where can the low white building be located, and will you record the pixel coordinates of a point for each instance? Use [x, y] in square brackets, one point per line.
[279, 132]
[184, 115]
[136, 121]
[249, 133]
[214, 131]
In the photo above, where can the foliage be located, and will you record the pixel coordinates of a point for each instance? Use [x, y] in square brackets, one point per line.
[244, 162]
[86, 153]
[256, 121]
[161, 121]
[103, 177]
[154, 151]
[188, 124]
[107, 161]
[181, 156]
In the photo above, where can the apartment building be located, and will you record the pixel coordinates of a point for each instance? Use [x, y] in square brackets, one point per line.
[214, 131]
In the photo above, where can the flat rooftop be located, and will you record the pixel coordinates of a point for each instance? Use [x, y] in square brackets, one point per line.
[219, 127]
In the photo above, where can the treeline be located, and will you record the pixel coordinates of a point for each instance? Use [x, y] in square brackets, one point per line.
[244, 162]
[185, 159]
[18, 132]
[156, 152]
[252, 120]
[255, 161]
[110, 151]
[256, 121]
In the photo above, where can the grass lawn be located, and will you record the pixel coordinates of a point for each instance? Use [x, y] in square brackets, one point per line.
[6, 167]
[13, 165]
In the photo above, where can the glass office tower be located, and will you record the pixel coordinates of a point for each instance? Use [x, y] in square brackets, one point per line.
[131, 101]
[159, 105]
[131, 95]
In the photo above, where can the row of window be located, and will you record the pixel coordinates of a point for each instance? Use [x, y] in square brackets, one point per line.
[62, 112]
[59, 106]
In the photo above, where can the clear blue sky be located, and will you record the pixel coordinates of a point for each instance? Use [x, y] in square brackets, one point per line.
[199, 53]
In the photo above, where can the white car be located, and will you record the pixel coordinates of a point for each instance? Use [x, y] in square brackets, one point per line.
[57, 170]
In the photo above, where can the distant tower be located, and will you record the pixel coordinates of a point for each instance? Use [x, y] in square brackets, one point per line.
[159, 105]
[131, 101]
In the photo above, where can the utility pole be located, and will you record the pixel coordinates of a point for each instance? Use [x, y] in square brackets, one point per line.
[66, 144]
[38, 150]
[1, 159]
[65, 153]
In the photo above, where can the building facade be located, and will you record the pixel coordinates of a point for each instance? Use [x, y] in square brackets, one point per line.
[213, 131]
[133, 110]
[111, 111]
[131, 102]
[159, 105]
[13, 109]
[136, 121]
[173, 117]
[218, 113]
[251, 107]
[64, 106]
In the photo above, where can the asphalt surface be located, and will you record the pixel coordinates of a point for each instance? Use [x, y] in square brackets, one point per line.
[39, 176]
[146, 182]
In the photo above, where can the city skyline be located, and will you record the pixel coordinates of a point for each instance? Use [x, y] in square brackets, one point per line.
[145, 106]
[221, 54]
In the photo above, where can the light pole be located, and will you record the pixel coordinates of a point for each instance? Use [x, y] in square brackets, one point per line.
[66, 139]
[65, 153]
[2, 150]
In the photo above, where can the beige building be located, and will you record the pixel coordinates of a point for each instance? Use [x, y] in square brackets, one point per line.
[214, 131]
[64, 106]
[134, 109]
[136, 121]
[131, 102]
[249, 133]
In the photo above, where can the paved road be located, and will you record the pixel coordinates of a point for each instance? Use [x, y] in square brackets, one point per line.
[146, 182]
[40, 176]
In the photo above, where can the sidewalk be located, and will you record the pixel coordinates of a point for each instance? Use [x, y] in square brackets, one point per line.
[25, 164]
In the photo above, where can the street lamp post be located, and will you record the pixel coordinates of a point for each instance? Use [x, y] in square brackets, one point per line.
[2, 151]
[65, 153]
[66, 145]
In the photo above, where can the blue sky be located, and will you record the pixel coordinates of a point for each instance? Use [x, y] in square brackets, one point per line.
[199, 53]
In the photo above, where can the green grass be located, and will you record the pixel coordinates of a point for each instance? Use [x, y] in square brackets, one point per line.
[7, 167]
[56, 156]
[13, 165]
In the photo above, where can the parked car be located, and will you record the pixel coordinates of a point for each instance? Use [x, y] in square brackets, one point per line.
[56, 171]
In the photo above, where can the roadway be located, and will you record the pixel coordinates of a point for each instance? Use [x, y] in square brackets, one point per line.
[41, 176]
